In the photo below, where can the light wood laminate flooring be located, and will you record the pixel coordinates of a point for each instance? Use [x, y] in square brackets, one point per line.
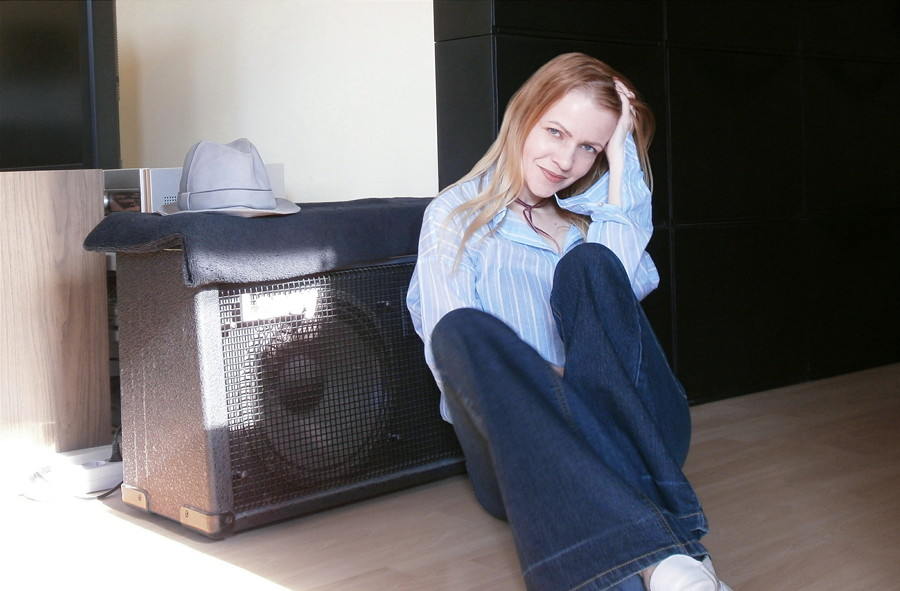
[800, 485]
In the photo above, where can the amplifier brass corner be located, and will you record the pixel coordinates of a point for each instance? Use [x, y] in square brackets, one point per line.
[135, 497]
[212, 525]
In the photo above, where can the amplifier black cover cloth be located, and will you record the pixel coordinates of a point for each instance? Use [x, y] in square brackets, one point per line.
[243, 404]
[230, 249]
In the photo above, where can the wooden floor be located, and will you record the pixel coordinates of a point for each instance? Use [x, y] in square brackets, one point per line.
[801, 486]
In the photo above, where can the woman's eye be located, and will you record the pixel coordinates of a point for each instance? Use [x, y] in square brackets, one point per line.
[589, 149]
[554, 132]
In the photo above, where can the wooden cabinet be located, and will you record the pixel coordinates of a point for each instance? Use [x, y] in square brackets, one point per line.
[54, 352]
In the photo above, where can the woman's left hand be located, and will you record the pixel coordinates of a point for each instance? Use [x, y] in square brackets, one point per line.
[615, 150]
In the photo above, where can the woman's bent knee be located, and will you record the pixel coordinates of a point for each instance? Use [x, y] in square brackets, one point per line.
[465, 323]
[591, 256]
[454, 323]
[591, 263]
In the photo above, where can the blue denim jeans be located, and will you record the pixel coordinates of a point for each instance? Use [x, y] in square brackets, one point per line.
[586, 467]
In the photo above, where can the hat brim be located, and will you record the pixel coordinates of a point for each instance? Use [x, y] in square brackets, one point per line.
[282, 207]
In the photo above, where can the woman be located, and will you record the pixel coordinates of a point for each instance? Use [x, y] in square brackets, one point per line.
[526, 295]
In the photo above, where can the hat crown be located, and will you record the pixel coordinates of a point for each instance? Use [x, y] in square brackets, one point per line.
[227, 179]
[216, 167]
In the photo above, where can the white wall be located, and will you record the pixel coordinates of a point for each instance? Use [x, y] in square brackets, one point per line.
[340, 91]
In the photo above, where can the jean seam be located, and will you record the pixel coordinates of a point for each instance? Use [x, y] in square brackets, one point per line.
[557, 315]
[618, 566]
[640, 344]
[474, 418]
[464, 402]
[660, 520]
[561, 399]
[575, 546]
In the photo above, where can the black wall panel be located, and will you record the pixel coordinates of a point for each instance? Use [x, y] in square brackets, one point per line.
[458, 20]
[740, 311]
[861, 29]
[775, 208]
[854, 282]
[852, 120]
[737, 135]
[466, 112]
[744, 25]
[611, 19]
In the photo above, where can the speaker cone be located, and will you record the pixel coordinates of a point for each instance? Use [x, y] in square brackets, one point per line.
[311, 374]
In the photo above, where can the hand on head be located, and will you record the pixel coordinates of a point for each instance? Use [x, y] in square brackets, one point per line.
[615, 150]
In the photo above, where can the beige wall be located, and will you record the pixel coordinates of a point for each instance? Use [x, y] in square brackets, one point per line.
[340, 91]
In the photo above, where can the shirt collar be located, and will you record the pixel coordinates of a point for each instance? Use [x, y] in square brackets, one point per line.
[516, 230]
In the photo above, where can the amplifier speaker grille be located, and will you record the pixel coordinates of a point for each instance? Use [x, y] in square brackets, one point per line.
[248, 403]
[324, 384]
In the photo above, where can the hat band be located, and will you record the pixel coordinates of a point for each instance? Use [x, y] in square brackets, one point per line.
[227, 199]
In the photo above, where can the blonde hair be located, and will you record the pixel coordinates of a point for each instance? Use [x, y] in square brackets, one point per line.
[547, 86]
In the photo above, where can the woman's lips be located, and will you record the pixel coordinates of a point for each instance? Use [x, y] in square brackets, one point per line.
[553, 178]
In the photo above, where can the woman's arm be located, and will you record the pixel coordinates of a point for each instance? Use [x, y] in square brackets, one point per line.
[615, 149]
[436, 287]
[624, 228]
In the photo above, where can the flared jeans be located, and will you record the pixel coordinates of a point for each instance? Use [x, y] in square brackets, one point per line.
[585, 467]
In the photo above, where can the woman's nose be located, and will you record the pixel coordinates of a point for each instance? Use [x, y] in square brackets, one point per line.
[564, 157]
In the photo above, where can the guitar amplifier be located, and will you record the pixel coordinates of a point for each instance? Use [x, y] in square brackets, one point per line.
[244, 404]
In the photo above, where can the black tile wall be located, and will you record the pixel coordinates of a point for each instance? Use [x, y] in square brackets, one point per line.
[740, 310]
[745, 25]
[861, 29]
[854, 289]
[737, 135]
[610, 19]
[852, 119]
[456, 20]
[466, 113]
[776, 213]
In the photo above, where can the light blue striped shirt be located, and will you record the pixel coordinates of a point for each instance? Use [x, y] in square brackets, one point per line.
[509, 272]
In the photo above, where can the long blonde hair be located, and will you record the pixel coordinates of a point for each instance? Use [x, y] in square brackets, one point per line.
[555, 79]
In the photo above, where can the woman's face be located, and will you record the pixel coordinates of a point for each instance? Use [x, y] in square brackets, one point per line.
[563, 145]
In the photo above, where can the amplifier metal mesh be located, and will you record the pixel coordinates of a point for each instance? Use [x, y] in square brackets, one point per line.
[326, 384]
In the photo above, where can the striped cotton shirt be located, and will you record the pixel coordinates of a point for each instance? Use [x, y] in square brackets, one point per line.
[506, 268]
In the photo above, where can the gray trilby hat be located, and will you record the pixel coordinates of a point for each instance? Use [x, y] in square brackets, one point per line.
[229, 179]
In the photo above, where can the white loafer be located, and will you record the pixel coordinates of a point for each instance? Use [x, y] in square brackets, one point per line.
[683, 573]
[709, 566]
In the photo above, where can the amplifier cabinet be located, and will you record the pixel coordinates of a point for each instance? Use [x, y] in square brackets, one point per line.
[244, 404]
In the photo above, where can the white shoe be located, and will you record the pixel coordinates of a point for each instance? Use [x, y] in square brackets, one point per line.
[683, 573]
[709, 566]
